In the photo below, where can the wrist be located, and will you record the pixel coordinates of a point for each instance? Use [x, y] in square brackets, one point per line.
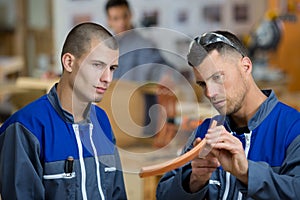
[243, 173]
[196, 184]
[243, 178]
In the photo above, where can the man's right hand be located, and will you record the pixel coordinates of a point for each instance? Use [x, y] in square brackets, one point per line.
[202, 168]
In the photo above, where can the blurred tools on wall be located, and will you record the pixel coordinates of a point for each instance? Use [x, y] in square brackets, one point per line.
[273, 44]
[263, 39]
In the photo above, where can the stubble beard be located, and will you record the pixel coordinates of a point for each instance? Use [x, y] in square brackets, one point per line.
[234, 104]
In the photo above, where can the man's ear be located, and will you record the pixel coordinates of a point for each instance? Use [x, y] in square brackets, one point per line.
[247, 64]
[68, 61]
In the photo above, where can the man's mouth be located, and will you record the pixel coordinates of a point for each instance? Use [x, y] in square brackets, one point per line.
[219, 103]
[100, 90]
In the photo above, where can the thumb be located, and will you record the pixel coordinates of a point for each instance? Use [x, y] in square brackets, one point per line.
[197, 141]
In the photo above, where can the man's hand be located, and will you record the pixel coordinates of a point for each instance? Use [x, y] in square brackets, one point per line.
[229, 152]
[202, 169]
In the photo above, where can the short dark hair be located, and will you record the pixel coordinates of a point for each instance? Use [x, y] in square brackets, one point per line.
[78, 40]
[221, 41]
[115, 3]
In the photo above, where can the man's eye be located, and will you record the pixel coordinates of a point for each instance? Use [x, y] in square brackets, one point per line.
[98, 65]
[202, 84]
[218, 77]
[113, 67]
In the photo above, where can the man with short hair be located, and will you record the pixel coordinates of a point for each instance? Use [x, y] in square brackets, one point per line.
[61, 146]
[254, 149]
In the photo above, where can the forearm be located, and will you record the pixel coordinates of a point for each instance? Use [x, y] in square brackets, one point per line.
[172, 186]
[195, 183]
[242, 174]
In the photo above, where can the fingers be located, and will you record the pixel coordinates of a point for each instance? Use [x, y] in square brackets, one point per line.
[201, 166]
[223, 149]
[197, 141]
[219, 135]
[227, 148]
[209, 161]
[203, 171]
[213, 134]
[218, 138]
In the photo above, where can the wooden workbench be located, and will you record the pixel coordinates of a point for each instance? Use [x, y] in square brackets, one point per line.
[10, 65]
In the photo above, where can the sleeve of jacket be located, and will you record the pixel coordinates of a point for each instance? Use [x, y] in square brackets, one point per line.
[264, 183]
[171, 186]
[20, 167]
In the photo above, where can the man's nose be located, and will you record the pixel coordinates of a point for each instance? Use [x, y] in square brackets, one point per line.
[106, 75]
[210, 91]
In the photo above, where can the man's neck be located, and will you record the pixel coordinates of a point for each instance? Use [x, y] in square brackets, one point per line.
[71, 103]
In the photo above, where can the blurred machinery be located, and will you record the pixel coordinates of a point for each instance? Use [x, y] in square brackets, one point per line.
[273, 44]
[265, 38]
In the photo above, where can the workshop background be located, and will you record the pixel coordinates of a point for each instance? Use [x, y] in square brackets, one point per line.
[32, 33]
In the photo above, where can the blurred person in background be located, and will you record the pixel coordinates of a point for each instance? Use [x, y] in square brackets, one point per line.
[138, 55]
[140, 61]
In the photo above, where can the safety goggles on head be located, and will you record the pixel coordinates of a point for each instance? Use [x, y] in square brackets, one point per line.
[212, 38]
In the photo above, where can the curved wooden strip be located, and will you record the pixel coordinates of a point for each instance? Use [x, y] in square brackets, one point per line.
[175, 163]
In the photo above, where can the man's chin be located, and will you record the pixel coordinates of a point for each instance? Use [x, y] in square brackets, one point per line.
[97, 99]
[221, 111]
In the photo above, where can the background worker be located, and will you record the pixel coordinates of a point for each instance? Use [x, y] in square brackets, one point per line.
[140, 61]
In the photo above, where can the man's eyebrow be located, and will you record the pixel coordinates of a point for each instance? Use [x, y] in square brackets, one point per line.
[218, 72]
[98, 61]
